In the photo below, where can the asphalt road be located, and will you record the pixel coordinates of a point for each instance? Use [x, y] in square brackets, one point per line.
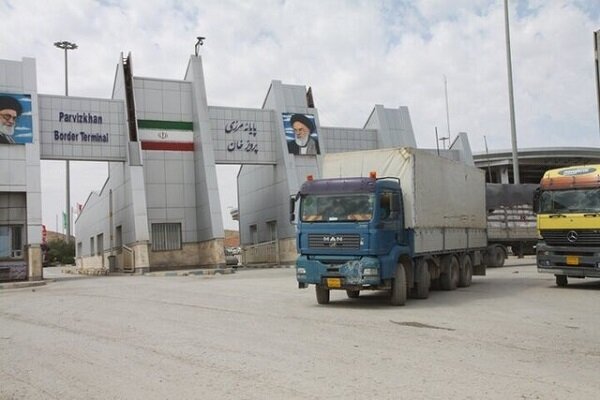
[254, 335]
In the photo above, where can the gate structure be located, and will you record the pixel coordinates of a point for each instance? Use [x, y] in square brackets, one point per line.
[159, 207]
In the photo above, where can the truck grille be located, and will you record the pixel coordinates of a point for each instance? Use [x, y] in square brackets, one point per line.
[333, 241]
[572, 237]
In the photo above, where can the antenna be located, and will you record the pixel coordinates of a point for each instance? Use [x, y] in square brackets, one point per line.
[447, 112]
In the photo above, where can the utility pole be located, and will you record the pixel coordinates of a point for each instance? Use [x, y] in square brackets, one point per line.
[66, 46]
[511, 100]
[597, 63]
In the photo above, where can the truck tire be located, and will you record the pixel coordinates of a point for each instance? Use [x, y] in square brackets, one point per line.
[498, 256]
[466, 271]
[353, 294]
[322, 294]
[398, 292]
[423, 280]
[450, 275]
[561, 280]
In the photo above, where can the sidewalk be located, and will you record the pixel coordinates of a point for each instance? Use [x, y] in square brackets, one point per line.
[188, 272]
[21, 284]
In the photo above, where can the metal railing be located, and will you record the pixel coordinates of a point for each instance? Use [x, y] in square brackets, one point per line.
[261, 253]
[128, 259]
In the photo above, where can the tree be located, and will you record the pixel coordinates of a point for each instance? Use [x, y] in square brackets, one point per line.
[62, 252]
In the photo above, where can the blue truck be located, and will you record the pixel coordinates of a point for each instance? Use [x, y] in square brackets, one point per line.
[402, 220]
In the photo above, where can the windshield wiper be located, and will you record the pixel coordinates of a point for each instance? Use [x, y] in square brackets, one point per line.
[557, 216]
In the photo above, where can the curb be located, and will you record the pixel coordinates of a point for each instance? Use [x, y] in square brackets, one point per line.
[20, 285]
[220, 271]
[264, 266]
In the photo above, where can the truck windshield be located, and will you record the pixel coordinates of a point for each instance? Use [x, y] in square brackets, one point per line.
[570, 201]
[355, 207]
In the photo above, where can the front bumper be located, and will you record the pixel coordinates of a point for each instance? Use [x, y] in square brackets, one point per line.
[571, 261]
[355, 274]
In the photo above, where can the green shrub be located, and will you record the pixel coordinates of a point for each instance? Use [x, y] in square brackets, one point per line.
[61, 252]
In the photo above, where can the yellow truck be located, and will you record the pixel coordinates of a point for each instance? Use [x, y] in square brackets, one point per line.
[568, 221]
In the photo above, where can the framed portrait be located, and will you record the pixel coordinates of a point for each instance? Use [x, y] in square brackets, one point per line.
[15, 119]
[301, 133]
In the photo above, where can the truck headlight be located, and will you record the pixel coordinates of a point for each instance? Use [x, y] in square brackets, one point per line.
[370, 272]
[300, 271]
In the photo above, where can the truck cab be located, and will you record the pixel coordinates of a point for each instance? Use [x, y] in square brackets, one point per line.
[568, 221]
[350, 234]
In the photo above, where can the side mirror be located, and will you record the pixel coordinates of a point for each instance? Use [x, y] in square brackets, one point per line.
[536, 200]
[292, 208]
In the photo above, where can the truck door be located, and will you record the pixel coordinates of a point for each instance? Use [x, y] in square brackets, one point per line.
[390, 220]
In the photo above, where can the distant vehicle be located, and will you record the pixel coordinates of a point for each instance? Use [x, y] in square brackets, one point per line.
[511, 221]
[568, 220]
[230, 256]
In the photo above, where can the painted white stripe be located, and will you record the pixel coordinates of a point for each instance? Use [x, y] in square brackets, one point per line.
[165, 135]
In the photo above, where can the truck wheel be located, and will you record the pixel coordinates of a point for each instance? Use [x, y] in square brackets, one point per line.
[398, 294]
[421, 288]
[449, 278]
[466, 271]
[561, 280]
[498, 257]
[322, 294]
[353, 294]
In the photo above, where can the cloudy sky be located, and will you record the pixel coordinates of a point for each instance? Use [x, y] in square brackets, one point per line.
[354, 54]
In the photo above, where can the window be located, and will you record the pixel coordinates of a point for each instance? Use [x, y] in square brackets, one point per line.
[11, 241]
[253, 234]
[341, 208]
[385, 203]
[166, 236]
[100, 244]
[92, 246]
[79, 249]
[272, 225]
[119, 237]
[390, 205]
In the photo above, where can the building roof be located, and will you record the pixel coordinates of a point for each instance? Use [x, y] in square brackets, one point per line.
[534, 162]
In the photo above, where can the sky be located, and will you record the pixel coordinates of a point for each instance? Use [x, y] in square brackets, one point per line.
[354, 54]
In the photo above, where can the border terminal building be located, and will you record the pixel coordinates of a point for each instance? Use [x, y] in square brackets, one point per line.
[160, 206]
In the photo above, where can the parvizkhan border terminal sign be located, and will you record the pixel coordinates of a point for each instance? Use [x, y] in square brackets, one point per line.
[75, 128]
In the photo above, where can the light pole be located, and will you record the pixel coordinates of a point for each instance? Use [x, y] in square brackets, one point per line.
[66, 46]
[597, 64]
[513, 129]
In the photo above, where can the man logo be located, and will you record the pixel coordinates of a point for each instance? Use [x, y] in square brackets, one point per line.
[332, 241]
[572, 236]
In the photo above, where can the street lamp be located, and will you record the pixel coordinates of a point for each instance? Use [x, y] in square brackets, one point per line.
[66, 46]
[511, 99]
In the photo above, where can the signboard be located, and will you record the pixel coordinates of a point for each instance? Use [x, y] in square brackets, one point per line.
[75, 128]
[243, 136]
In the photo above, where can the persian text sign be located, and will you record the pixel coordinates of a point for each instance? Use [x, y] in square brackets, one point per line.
[243, 136]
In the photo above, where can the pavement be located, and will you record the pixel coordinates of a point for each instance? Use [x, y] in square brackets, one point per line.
[254, 335]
